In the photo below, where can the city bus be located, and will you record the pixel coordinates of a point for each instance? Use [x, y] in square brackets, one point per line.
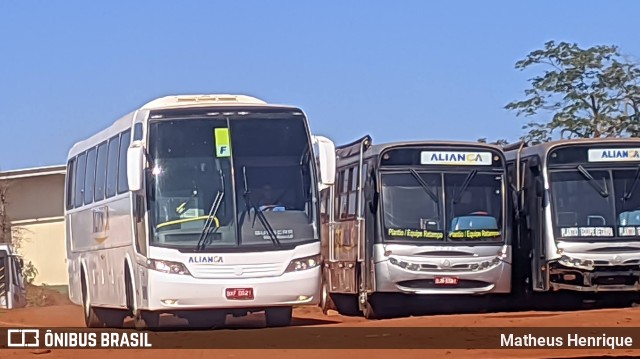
[199, 207]
[12, 287]
[414, 221]
[578, 217]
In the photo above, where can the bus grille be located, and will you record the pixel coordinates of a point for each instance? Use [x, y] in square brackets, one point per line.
[236, 271]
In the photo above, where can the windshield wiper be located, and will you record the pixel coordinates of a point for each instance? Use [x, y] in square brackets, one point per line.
[213, 210]
[424, 185]
[627, 194]
[465, 184]
[258, 212]
[602, 191]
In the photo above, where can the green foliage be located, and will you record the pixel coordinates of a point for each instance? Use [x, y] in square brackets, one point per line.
[592, 92]
[499, 142]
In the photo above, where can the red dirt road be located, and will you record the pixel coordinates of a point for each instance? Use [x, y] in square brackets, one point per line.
[71, 316]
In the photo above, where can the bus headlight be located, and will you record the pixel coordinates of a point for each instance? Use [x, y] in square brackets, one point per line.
[3, 301]
[576, 262]
[303, 263]
[167, 266]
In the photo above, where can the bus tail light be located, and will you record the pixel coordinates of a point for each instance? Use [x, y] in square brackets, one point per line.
[167, 266]
[303, 263]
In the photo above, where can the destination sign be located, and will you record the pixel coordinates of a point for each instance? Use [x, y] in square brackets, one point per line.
[614, 155]
[456, 158]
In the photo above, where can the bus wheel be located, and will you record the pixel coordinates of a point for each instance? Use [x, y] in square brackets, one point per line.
[91, 318]
[325, 299]
[278, 316]
[346, 304]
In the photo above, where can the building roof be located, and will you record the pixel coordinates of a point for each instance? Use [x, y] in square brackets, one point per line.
[34, 171]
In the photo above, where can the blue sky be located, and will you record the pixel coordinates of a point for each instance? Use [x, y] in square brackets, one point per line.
[403, 70]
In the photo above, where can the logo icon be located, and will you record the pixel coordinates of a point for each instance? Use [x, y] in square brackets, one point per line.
[23, 338]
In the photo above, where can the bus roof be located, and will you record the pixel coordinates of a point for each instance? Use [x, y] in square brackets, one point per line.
[171, 102]
[350, 152]
[542, 149]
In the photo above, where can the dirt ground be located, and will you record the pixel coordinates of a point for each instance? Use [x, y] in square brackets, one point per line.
[53, 309]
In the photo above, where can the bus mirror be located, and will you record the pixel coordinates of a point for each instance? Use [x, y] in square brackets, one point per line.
[326, 160]
[135, 164]
[539, 187]
[534, 165]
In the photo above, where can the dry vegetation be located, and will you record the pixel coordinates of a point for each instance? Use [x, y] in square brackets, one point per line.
[38, 296]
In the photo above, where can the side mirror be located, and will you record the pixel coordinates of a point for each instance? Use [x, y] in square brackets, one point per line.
[135, 166]
[534, 165]
[326, 153]
[539, 187]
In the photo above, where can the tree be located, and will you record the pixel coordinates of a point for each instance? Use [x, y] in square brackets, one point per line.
[499, 142]
[592, 92]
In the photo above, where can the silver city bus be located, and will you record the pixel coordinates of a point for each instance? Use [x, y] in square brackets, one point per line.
[408, 220]
[578, 216]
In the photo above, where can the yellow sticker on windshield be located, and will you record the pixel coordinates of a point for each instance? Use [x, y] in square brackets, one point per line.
[223, 145]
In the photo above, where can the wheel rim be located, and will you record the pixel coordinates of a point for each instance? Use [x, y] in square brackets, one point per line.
[85, 301]
[323, 296]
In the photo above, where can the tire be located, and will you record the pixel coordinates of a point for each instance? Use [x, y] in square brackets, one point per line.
[347, 304]
[326, 303]
[91, 318]
[278, 316]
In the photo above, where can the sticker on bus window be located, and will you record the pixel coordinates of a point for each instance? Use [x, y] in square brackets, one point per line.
[474, 234]
[415, 233]
[628, 231]
[223, 145]
[455, 158]
[586, 232]
[614, 154]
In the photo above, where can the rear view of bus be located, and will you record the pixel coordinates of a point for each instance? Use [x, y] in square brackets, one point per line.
[224, 204]
[431, 220]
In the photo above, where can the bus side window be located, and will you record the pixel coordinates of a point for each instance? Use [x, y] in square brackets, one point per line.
[112, 166]
[90, 177]
[101, 172]
[70, 179]
[125, 140]
[79, 179]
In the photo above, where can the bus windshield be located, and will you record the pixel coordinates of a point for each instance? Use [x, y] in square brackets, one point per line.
[248, 178]
[596, 203]
[467, 207]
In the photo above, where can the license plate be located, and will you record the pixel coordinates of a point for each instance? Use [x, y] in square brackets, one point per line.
[446, 280]
[239, 293]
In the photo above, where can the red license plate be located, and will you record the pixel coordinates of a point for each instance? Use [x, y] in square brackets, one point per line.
[239, 293]
[446, 280]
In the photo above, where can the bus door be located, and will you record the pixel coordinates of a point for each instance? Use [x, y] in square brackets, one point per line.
[365, 242]
[535, 199]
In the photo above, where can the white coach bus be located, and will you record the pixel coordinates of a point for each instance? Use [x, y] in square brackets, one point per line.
[198, 206]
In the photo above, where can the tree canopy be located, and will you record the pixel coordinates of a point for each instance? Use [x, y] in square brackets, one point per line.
[582, 93]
